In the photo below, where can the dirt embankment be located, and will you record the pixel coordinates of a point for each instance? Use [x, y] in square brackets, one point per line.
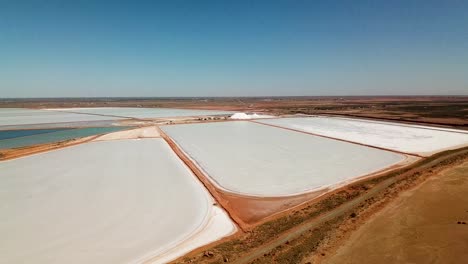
[423, 170]
[313, 229]
[244, 210]
[6, 154]
[131, 133]
[428, 224]
[250, 211]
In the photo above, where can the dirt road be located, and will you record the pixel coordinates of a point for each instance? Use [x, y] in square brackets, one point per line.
[428, 224]
[340, 211]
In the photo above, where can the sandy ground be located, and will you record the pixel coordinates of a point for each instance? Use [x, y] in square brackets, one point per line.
[295, 236]
[255, 210]
[423, 225]
[144, 132]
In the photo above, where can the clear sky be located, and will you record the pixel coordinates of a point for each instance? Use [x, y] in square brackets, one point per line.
[232, 48]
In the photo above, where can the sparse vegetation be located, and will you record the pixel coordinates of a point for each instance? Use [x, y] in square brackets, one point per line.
[309, 241]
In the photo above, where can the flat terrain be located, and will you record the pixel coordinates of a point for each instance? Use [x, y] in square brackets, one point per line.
[55, 136]
[449, 111]
[144, 132]
[17, 116]
[142, 113]
[22, 118]
[424, 225]
[116, 201]
[254, 159]
[310, 232]
[118, 198]
[9, 134]
[400, 137]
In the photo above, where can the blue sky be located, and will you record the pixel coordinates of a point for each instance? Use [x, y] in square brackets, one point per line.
[232, 48]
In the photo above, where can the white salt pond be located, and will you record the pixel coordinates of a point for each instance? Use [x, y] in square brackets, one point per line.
[136, 112]
[22, 116]
[254, 159]
[121, 201]
[34, 117]
[400, 137]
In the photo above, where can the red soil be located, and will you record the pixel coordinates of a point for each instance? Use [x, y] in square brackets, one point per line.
[249, 211]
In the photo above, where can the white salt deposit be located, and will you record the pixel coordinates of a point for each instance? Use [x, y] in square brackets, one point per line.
[144, 113]
[401, 137]
[121, 201]
[255, 159]
[249, 116]
[22, 116]
[144, 132]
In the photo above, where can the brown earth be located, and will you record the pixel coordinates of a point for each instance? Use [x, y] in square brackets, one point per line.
[446, 111]
[256, 210]
[314, 228]
[249, 211]
[423, 225]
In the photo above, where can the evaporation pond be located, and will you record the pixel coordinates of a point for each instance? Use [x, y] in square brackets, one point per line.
[256, 159]
[55, 136]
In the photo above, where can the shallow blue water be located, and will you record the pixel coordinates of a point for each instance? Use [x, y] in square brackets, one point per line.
[55, 136]
[22, 133]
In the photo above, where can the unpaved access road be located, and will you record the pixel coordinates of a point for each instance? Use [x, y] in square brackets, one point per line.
[339, 211]
[423, 225]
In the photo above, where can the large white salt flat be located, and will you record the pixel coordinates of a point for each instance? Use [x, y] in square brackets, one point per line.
[22, 116]
[121, 201]
[406, 138]
[255, 159]
[143, 113]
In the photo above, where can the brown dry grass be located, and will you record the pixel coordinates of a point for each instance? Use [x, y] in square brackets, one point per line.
[422, 225]
[318, 239]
